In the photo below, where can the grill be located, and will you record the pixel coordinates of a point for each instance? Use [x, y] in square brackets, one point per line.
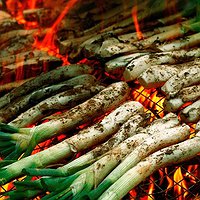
[180, 181]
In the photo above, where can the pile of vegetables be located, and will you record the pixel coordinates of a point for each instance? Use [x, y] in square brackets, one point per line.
[116, 151]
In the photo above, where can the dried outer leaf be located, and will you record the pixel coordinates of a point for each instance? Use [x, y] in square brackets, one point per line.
[117, 65]
[64, 100]
[23, 103]
[54, 76]
[191, 113]
[187, 94]
[139, 65]
[108, 47]
[156, 75]
[78, 52]
[184, 78]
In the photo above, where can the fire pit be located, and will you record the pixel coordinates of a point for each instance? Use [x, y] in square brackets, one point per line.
[151, 45]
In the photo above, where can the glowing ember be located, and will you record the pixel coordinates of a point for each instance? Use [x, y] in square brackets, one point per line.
[136, 23]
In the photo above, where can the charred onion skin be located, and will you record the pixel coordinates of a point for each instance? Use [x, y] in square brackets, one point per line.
[23, 103]
[61, 101]
[185, 78]
[188, 94]
[191, 113]
[57, 75]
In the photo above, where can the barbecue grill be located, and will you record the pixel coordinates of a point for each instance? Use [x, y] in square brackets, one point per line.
[49, 35]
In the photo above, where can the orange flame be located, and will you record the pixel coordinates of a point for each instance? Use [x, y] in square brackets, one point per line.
[48, 42]
[133, 194]
[136, 23]
[192, 172]
[151, 188]
[32, 4]
[169, 180]
[16, 8]
[180, 186]
[150, 99]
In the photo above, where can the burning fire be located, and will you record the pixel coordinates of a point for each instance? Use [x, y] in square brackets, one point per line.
[49, 41]
[136, 23]
[180, 186]
[150, 100]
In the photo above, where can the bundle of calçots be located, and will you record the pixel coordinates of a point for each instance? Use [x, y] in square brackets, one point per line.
[95, 175]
